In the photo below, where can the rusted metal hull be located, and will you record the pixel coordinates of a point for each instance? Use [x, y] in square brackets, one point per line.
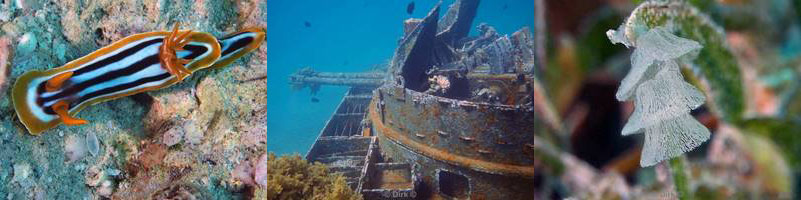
[487, 145]
[452, 118]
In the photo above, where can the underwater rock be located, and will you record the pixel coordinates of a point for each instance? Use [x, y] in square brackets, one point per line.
[177, 192]
[173, 136]
[21, 172]
[5, 12]
[74, 27]
[28, 5]
[94, 176]
[243, 172]
[27, 43]
[74, 148]
[210, 99]
[130, 129]
[260, 171]
[105, 189]
[152, 155]
[252, 172]
[193, 134]
[157, 118]
[254, 137]
[5, 62]
[179, 159]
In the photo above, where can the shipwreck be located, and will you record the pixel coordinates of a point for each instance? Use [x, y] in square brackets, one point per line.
[450, 116]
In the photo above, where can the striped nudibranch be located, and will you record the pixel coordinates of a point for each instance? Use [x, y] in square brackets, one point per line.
[135, 64]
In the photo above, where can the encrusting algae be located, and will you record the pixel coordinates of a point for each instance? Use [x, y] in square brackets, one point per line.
[290, 177]
[48, 35]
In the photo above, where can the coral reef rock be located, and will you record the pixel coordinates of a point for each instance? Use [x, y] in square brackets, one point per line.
[135, 156]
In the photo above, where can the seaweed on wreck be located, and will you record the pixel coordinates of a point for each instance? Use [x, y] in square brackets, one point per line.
[292, 177]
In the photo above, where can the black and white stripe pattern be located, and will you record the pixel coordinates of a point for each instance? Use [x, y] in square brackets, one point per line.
[129, 68]
[235, 43]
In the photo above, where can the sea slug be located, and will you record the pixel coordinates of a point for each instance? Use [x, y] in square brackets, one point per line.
[135, 64]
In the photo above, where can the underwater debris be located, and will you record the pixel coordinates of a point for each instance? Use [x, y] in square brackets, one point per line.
[457, 22]
[308, 77]
[662, 99]
[410, 24]
[447, 99]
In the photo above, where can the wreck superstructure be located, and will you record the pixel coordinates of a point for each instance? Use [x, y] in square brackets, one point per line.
[452, 116]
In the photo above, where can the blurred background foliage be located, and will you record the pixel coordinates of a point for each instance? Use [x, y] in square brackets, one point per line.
[748, 68]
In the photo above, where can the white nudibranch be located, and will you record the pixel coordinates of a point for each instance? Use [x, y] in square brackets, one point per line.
[662, 99]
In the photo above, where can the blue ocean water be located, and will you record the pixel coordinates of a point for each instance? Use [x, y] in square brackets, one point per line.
[344, 36]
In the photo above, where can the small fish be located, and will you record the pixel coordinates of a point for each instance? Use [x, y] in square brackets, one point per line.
[505, 6]
[410, 7]
[307, 24]
[315, 100]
